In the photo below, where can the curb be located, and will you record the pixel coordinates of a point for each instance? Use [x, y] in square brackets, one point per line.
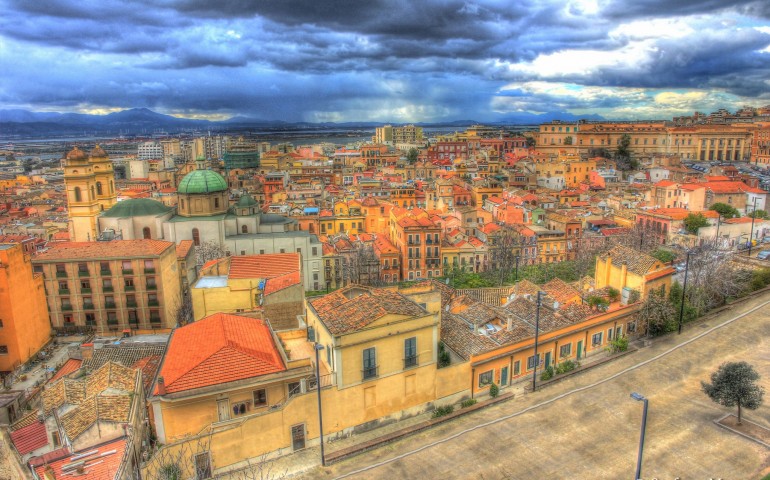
[344, 453]
[749, 437]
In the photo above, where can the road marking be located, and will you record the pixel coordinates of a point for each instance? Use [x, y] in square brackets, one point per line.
[552, 400]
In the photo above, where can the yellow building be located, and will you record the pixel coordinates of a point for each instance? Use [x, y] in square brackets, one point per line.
[90, 185]
[24, 326]
[258, 394]
[622, 267]
[109, 286]
[270, 283]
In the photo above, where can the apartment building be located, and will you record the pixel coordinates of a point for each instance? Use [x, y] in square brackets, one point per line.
[418, 239]
[111, 286]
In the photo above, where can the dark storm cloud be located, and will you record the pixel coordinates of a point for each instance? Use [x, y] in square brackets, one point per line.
[296, 59]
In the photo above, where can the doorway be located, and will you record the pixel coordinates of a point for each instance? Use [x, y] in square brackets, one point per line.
[298, 437]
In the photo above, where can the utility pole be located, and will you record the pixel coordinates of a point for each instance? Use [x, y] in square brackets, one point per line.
[537, 332]
[753, 216]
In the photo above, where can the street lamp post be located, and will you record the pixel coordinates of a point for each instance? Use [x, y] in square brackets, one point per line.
[640, 398]
[684, 288]
[537, 331]
[318, 348]
[719, 222]
[517, 269]
[753, 216]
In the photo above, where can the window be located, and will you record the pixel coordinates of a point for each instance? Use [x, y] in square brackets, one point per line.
[369, 363]
[596, 339]
[609, 335]
[129, 283]
[104, 267]
[295, 388]
[315, 251]
[631, 327]
[146, 233]
[410, 352]
[517, 367]
[78, 195]
[260, 398]
[202, 466]
[531, 362]
[55, 439]
[98, 188]
[565, 350]
[240, 408]
[244, 229]
[3, 349]
[216, 203]
[485, 378]
[196, 237]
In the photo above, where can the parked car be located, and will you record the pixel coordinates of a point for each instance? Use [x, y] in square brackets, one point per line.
[763, 255]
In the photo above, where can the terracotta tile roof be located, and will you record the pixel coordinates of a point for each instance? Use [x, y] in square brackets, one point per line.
[69, 366]
[263, 266]
[183, 248]
[104, 250]
[525, 287]
[561, 291]
[218, 349]
[26, 420]
[354, 307]
[149, 367]
[275, 284]
[100, 465]
[30, 438]
[637, 262]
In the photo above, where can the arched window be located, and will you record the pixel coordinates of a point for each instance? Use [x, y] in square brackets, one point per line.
[99, 188]
[196, 237]
[146, 232]
[244, 229]
[216, 203]
[78, 195]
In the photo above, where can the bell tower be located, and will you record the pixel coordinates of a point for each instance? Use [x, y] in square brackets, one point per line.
[82, 205]
[104, 177]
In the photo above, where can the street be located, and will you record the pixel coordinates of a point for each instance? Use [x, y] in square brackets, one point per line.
[588, 426]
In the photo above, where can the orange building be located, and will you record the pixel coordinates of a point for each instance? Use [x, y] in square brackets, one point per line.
[417, 237]
[24, 325]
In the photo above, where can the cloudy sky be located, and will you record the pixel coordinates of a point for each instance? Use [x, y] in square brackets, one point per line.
[397, 61]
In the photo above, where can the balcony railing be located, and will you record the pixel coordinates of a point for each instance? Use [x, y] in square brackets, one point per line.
[410, 361]
[88, 306]
[369, 372]
[131, 303]
[109, 304]
[64, 291]
[61, 274]
[85, 290]
[128, 271]
[149, 270]
[154, 319]
[153, 303]
[129, 288]
[152, 287]
[108, 289]
[105, 271]
[83, 273]
[66, 308]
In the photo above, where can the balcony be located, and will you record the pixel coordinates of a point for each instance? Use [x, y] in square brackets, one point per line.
[60, 274]
[83, 273]
[410, 361]
[105, 272]
[85, 290]
[88, 306]
[131, 303]
[155, 320]
[128, 271]
[369, 372]
[108, 289]
[152, 287]
[66, 308]
[129, 288]
[64, 291]
[153, 303]
[149, 270]
[109, 304]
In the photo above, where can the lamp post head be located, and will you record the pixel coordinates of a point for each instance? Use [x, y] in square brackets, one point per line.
[638, 397]
[319, 347]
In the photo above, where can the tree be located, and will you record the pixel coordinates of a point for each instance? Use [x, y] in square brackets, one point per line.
[694, 221]
[361, 265]
[623, 150]
[568, 141]
[183, 309]
[735, 384]
[505, 246]
[411, 156]
[658, 314]
[725, 210]
[663, 254]
[759, 214]
[207, 251]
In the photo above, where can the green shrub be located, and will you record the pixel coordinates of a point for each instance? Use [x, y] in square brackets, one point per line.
[442, 411]
[614, 294]
[494, 390]
[547, 373]
[444, 359]
[468, 403]
[619, 344]
[566, 366]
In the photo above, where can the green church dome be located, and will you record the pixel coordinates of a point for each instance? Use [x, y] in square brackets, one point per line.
[202, 181]
[245, 201]
[136, 207]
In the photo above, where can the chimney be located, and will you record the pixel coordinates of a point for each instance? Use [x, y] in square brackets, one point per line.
[48, 473]
[161, 386]
[87, 351]
[509, 323]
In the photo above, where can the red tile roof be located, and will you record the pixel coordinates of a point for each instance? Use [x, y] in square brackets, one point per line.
[183, 248]
[275, 284]
[69, 366]
[263, 266]
[99, 250]
[218, 349]
[101, 465]
[30, 438]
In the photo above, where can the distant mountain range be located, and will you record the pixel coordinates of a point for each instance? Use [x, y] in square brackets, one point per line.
[142, 121]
